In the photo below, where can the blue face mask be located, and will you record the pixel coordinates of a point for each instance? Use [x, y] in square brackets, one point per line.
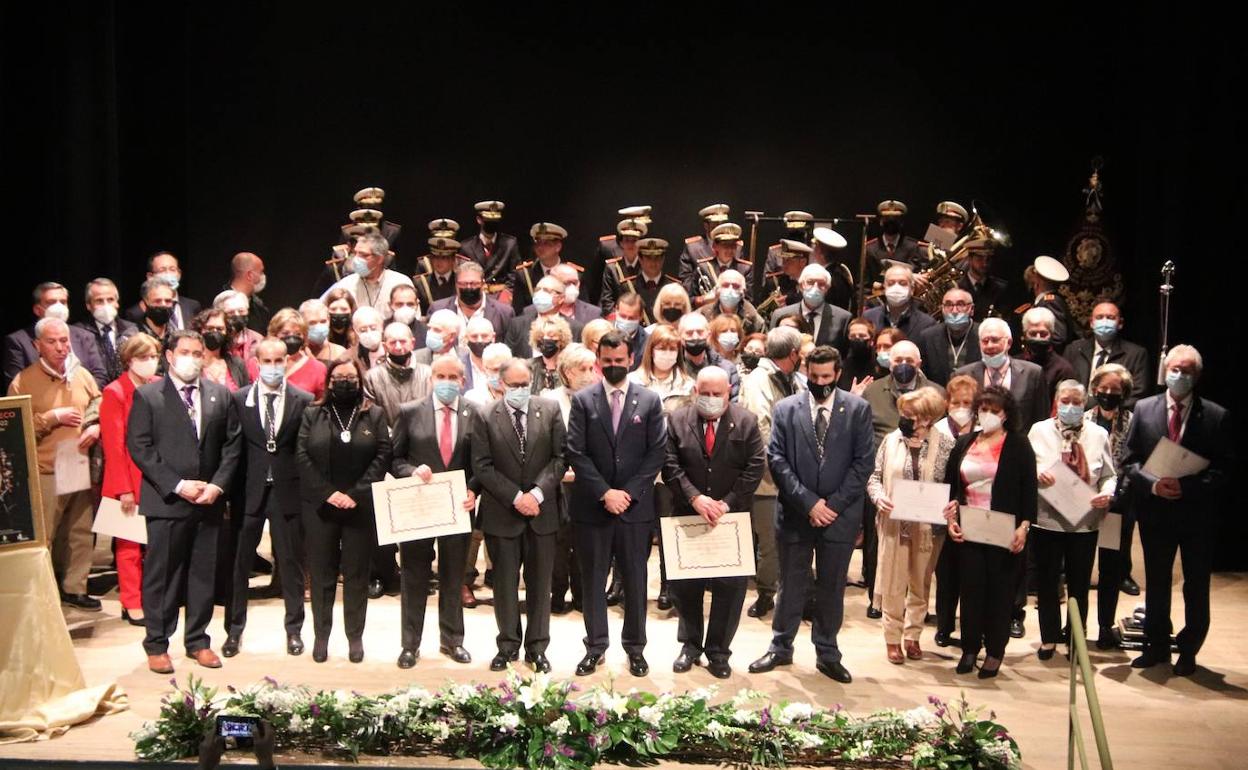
[446, 391]
[359, 266]
[729, 340]
[318, 333]
[884, 359]
[433, 340]
[1105, 329]
[169, 279]
[518, 398]
[813, 296]
[272, 374]
[494, 381]
[1178, 383]
[729, 298]
[543, 301]
[997, 361]
[957, 320]
[626, 326]
[1070, 414]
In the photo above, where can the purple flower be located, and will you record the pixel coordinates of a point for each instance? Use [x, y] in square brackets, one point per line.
[652, 734]
[600, 718]
[271, 680]
[940, 713]
[189, 701]
[566, 751]
[764, 717]
[593, 741]
[1002, 735]
[482, 687]
[173, 680]
[573, 687]
[932, 699]
[548, 750]
[315, 710]
[569, 707]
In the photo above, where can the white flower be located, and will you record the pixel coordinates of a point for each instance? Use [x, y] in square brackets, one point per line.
[561, 725]
[794, 712]
[297, 724]
[507, 721]
[919, 718]
[146, 732]
[715, 729]
[442, 729]
[745, 717]
[703, 693]
[651, 715]
[744, 697]
[460, 693]
[806, 740]
[420, 696]
[342, 697]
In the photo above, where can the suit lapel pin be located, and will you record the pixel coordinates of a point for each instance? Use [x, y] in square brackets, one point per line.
[842, 409]
[213, 399]
[465, 414]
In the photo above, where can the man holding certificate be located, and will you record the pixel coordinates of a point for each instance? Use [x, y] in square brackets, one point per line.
[1176, 510]
[715, 461]
[821, 453]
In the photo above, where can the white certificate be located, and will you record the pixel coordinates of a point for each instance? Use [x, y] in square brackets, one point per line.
[410, 509]
[112, 521]
[695, 549]
[980, 525]
[1069, 495]
[72, 468]
[921, 501]
[1169, 460]
[1109, 535]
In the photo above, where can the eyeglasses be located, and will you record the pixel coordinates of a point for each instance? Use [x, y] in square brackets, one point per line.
[956, 305]
[344, 379]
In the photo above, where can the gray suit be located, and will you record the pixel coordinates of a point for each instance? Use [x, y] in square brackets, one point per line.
[505, 470]
[833, 323]
[1027, 386]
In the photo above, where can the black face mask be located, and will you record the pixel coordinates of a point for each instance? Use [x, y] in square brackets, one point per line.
[1109, 401]
[340, 321]
[671, 314]
[1038, 349]
[890, 225]
[470, 296]
[750, 360]
[159, 315]
[236, 323]
[548, 348]
[294, 343]
[489, 226]
[344, 392]
[906, 426]
[614, 374]
[695, 347]
[820, 392]
[399, 359]
[214, 340]
[859, 348]
[904, 373]
[478, 348]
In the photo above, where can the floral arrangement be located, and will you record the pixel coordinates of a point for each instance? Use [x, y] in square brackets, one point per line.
[539, 723]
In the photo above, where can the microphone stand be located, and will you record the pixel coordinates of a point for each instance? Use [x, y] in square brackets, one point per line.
[1166, 288]
[759, 263]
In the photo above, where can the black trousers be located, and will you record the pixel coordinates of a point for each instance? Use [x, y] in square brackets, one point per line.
[383, 567]
[948, 587]
[629, 543]
[1163, 537]
[1026, 568]
[286, 532]
[180, 566]
[536, 553]
[989, 576]
[417, 556]
[715, 636]
[566, 570]
[831, 566]
[1112, 568]
[870, 547]
[339, 541]
[1053, 550]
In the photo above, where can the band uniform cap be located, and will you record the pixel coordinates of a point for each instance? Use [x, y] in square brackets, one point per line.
[891, 208]
[631, 228]
[728, 231]
[370, 196]
[640, 213]
[828, 237]
[798, 220]
[791, 248]
[652, 247]
[1049, 268]
[490, 209]
[547, 231]
[716, 212]
[951, 209]
[443, 247]
[443, 228]
[358, 229]
[366, 216]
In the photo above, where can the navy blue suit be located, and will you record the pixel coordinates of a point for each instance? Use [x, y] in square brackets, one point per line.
[605, 459]
[802, 480]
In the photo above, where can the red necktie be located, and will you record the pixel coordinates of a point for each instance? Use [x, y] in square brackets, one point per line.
[444, 442]
[710, 438]
[1176, 422]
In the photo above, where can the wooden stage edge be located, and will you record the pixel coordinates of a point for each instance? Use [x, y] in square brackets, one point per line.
[1153, 719]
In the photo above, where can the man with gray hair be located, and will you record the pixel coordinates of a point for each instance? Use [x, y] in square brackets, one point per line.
[370, 281]
[51, 300]
[237, 309]
[825, 322]
[442, 338]
[769, 382]
[65, 406]
[367, 323]
[106, 328]
[730, 293]
[899, 309]
[1038, 342]
[397, 379]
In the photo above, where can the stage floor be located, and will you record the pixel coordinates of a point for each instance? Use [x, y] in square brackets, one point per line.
[1153, 719]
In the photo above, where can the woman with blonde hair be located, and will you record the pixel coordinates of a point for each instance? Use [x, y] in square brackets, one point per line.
[302, 369]
[593, 331]
[661, 369]
[671, 303]
[724, 334]
[548, 336]
[908, 550]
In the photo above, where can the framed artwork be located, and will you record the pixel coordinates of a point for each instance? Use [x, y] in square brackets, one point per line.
[21, 520]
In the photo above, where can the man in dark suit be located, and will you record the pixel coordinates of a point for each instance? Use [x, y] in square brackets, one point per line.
[247, 276]
[434, 435]
[820, 454]
[826, 322]
[726, 255]
[699, 248]
[163, 267]
[618, 261]
[547, 301]
[548, 239]
[628, 322]
[469, 300]
[179, 435]
[714, 462]
[518, 461]
[899, 309]
[1178, 514]
[954, 342]
[51, 300]
[893, 245]
[616, 446]
[650, 277]
[109, 331]
[574, 309]
[1023, 379]
[267, 415]
[1106, 346]
[497, 252]
[987, 291]
[438, 284]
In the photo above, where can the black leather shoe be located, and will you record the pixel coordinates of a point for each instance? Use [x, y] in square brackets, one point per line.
[873, 613]
[499, 662]
[82, 602]
[615, 594]
[559, 606]
[1108, 639]
[1185, 665]
[355, 650]
[989, 673]
[664, 602]
[230, 648]
[637, 665]
[1045, 653]
[761, 606]
[456, 653]
[768, 662]
[294, 644]
[538, 662]
[1151, 658]
[1017, 629]
[376, 589]
[719, 669]
[588, 664]
[408, 658]
[834, 671]
[126, 616]
[320, 650]
[966, 665]
[944, 639]
[684, 661]
[1129, 587]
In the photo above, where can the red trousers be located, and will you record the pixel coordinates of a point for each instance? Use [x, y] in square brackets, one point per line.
[129, 573]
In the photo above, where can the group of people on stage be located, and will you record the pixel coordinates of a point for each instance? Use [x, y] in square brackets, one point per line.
[576, 425]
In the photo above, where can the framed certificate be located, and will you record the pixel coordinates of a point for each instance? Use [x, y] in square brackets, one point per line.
[980, 525]
[411, 509]
[21, 505]
[695, 549]
[921, 501]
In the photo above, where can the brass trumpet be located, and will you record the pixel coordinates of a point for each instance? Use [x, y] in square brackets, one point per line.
[946, 268]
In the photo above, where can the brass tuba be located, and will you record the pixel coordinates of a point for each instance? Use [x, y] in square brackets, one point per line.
[946, 268]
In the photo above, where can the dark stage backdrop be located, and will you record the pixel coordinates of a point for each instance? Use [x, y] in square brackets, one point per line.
[208, 129]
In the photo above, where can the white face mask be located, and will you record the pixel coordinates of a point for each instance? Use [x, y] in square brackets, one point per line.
[187, 367]
[370, 340]
[56, 310]
[405, 315]
[260, 284]
[105, 313]
[897, 294]
[664, 360]
[571, 294]
[961, 415]
[989, 422]
[143, 368]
